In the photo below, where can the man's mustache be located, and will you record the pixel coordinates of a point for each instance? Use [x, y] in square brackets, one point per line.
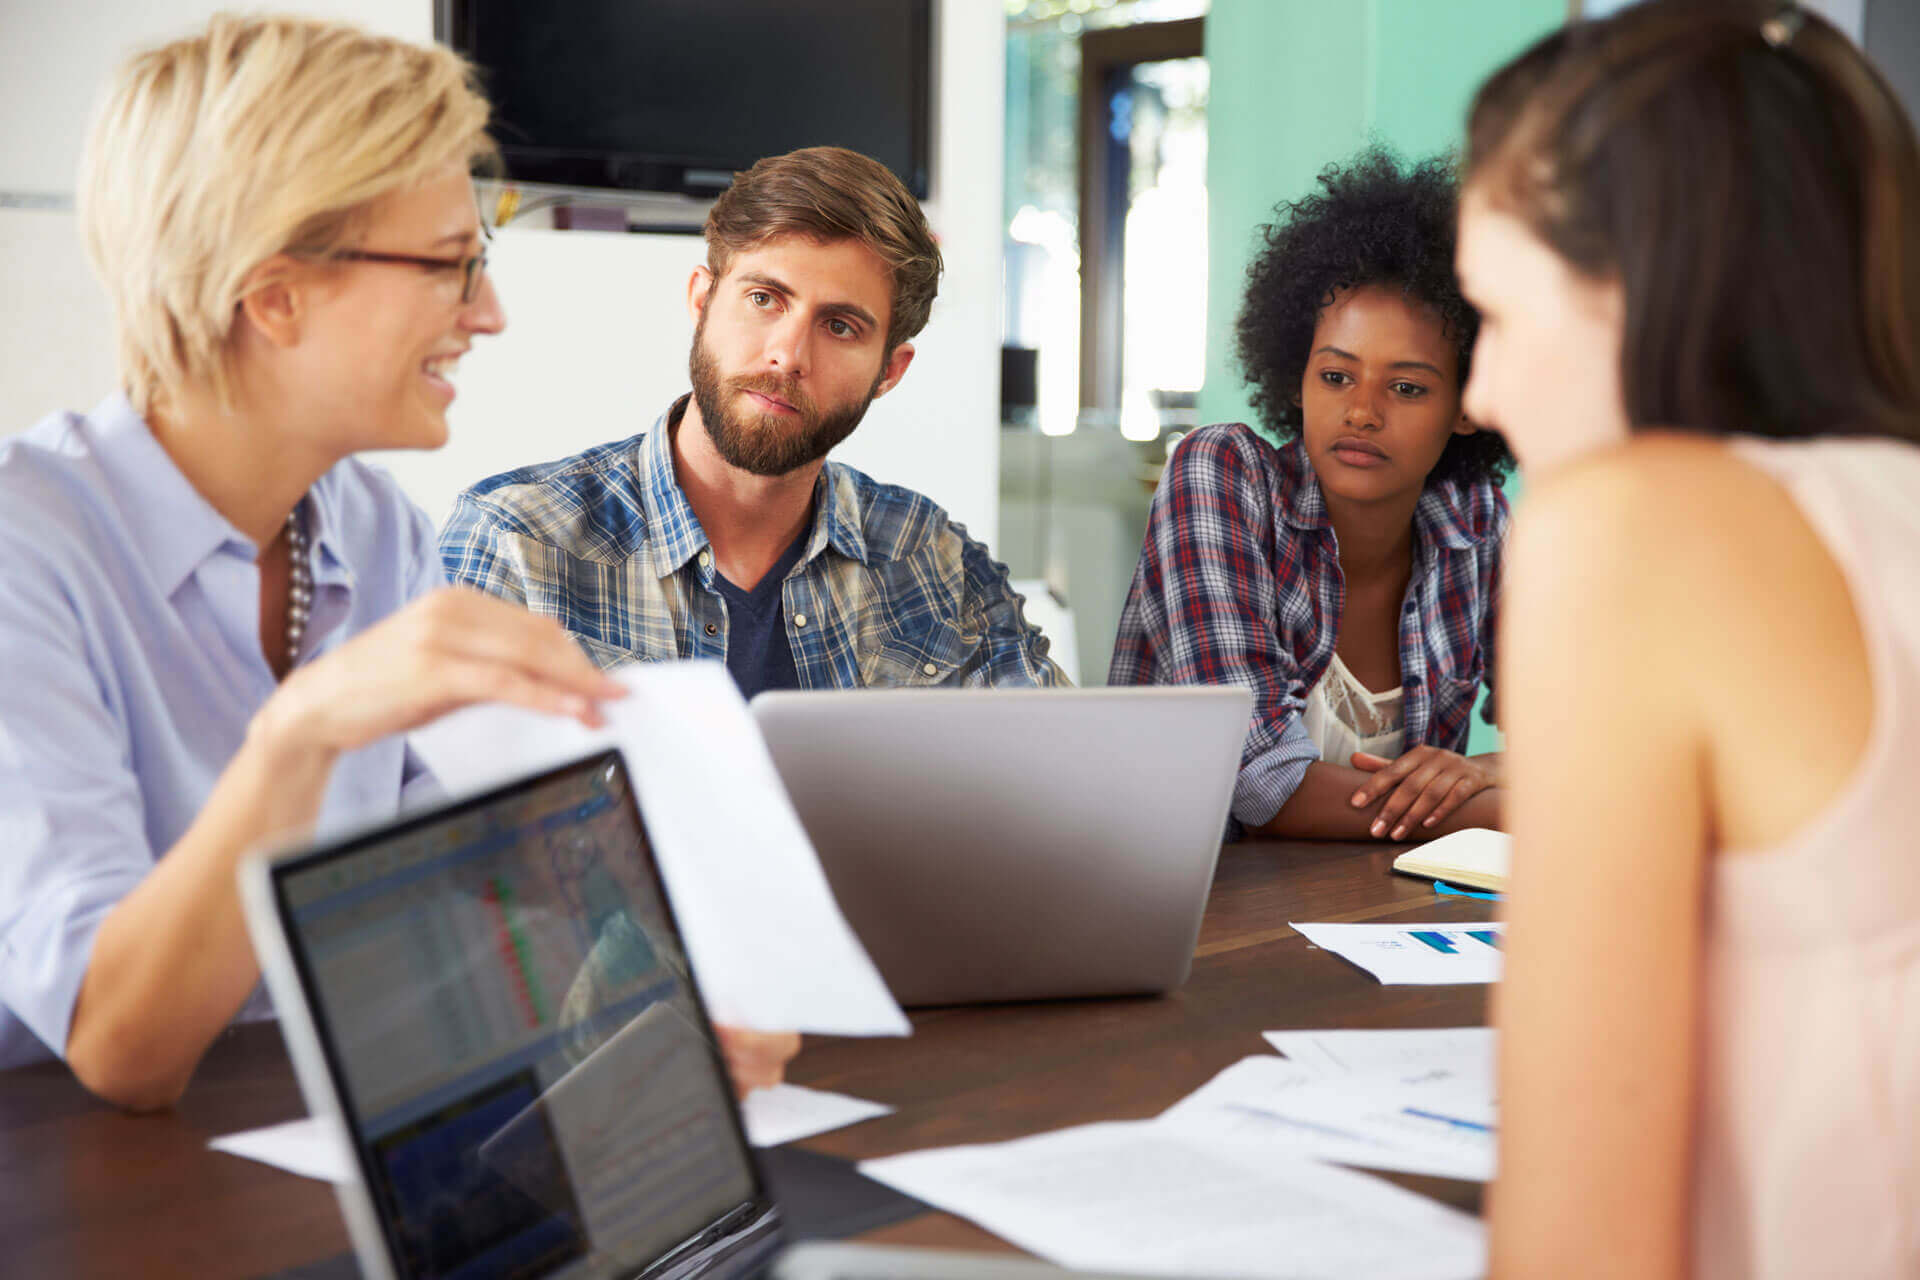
[768, 384]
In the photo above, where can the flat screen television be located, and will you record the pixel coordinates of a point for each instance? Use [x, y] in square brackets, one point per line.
[675, 95]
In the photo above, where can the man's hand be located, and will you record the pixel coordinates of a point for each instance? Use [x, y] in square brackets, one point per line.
[1422, 787]
[757, 1059]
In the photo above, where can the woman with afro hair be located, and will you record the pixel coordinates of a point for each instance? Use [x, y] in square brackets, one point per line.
[1349, 576]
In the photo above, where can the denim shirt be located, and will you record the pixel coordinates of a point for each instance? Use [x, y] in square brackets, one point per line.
[887, 591]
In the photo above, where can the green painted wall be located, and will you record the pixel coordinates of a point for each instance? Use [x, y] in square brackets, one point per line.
[1300, 84]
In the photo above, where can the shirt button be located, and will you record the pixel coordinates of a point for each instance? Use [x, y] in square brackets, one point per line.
[706, 558]
[712, 630]
[799, 619]
[931, 670]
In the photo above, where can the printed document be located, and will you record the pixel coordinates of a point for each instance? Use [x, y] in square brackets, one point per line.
[1426, 954]
[1143, 1197]
[772, 1117]
[786, 1113]
[1338, 1053]
[768, 943]
[1423, 1120]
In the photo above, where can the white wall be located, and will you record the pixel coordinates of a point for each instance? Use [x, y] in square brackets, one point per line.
[596, 343]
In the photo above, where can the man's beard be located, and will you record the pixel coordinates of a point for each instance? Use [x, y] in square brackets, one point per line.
[769, 446]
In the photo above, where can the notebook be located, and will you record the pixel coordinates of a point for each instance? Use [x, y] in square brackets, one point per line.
[1476, 857]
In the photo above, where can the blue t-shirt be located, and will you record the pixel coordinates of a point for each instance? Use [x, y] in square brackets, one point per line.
[758, 654]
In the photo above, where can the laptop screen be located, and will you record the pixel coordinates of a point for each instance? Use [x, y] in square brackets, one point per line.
[528, 1072]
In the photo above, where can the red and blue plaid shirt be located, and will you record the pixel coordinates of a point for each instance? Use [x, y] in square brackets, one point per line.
[1240, 583]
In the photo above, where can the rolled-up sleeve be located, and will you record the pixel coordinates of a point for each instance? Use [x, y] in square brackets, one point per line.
[72, 834]
[1204, 608]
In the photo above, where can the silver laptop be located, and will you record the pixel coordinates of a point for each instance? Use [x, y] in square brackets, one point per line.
[492, 1004]
[1015, 844]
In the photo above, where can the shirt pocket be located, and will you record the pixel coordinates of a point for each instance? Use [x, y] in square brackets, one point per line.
[604, 655]
[934, 656]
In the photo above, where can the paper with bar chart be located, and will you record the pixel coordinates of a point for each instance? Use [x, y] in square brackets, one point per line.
[1415, 954]
[1431, 1120]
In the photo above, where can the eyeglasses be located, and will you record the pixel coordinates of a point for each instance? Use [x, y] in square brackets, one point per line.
[471, 268]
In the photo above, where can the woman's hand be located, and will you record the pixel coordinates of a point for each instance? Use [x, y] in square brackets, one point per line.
[1423, 787]
[444, 651]
[757, 1059]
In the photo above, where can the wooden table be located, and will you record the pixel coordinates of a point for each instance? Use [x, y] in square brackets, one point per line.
[87, 1191]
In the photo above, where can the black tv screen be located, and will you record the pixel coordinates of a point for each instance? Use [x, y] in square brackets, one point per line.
[675, 95]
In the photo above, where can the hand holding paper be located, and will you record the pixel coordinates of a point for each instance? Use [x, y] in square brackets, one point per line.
[767, 940]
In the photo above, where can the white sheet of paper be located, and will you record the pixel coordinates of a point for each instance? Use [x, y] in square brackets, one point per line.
[1338, 1053]
[767, 940]
[1418, 954]
[1142, 1197]
[781, 1114]
[304, 1146]
[789, 1112]
[1361, 1120]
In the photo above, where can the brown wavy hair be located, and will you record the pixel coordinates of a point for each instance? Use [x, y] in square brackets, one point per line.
[1754, 186]
[831, 193]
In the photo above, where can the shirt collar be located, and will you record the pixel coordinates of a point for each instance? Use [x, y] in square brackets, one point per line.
[836, 515]
[326, 531]
[174, 529]
[674, 535]
[1301, 504]
[1441, 517]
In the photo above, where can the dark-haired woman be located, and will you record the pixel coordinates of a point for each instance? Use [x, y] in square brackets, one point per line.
[1703, 218]
[1350, 576]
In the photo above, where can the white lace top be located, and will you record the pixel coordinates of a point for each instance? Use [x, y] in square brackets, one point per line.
[1343, 716]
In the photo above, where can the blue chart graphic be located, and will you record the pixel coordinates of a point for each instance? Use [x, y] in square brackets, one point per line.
[1448, 942]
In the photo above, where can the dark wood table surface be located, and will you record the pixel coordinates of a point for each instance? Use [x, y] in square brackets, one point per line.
[88, 1191]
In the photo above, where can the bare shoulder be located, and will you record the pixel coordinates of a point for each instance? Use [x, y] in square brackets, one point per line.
[1663, 520]
[1695, 574]
[1660, 485]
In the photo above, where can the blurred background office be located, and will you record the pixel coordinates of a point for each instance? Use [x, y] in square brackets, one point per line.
[1096, 170]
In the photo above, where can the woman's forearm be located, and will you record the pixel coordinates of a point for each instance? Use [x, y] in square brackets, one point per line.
[1321, 808]
[172, 963]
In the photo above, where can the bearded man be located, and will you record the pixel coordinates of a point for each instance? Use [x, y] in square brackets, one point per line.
[724, 531]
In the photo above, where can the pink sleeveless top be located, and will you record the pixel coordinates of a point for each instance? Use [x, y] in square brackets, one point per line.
[1809, 1140]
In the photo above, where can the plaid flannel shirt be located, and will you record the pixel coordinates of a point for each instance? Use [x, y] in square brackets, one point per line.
[1240, 583]
[888, 591]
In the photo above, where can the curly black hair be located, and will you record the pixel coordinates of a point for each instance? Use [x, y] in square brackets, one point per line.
[1374, 221]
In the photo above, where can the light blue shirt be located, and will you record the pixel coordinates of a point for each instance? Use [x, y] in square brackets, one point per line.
[130, 666]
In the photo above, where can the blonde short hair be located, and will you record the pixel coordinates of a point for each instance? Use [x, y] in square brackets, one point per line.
[256, 137]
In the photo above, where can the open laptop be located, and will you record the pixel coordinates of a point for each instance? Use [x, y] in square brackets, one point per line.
[1015, 844]
[493, 1002]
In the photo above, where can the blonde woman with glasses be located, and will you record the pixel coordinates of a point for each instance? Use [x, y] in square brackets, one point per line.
[217, 624]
